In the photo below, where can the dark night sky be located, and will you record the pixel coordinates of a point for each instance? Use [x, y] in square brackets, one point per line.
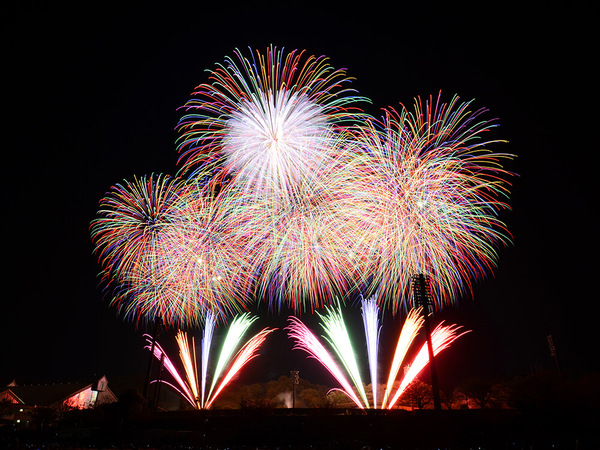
[91, 97]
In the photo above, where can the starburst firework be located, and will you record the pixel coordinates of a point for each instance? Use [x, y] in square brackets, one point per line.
[270, 121]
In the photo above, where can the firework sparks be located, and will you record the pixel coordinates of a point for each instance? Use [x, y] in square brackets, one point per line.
[305, 250]
[338, 338]
[166, 252]
[441, 338]
[131, 217]
[246, 353]
[370, 314]
[410, 329]
[267, 119]
[275, 126]
[126, 234]
[439, 192]
[307, 341]
[234, 355]
[202, 260]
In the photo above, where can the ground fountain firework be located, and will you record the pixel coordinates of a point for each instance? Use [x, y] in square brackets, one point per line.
[235, 353]
[344, 366]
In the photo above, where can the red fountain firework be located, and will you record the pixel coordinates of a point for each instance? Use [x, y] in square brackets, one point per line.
[337, 336]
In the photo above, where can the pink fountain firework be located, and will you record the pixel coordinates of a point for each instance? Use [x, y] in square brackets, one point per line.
[339, 340]
[234, 355]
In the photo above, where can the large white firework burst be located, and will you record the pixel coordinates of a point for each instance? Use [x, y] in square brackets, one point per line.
[266, 121]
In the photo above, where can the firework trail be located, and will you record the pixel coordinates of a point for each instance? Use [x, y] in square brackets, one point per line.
[246, 353]
[370, 314]
[339, 339]
[207, 335]
[182, 387]
[235, 354]
[439, 191]
[333, 324]
[235, 333]
[410, 330]
[441, 339]
[188, 358]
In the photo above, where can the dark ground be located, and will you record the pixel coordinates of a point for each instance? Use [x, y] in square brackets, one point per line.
[323, 429]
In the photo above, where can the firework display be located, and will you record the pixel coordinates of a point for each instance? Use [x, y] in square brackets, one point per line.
[235, 354]
[339, 340]
[289, 193]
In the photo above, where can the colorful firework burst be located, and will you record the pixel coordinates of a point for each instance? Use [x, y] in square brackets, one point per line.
[439, 192]
[307, 250]
[295, 195]
[130, 223]
[165, 253]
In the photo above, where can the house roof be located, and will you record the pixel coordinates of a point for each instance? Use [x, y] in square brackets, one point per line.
[48, 394]
[45, 394]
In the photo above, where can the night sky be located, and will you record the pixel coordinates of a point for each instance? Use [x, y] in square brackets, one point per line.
[91, 96]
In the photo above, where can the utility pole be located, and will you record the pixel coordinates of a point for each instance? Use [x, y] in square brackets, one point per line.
[150, 362]
[158, 381]
[553, 352]
[423, 299]
[295, 381]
